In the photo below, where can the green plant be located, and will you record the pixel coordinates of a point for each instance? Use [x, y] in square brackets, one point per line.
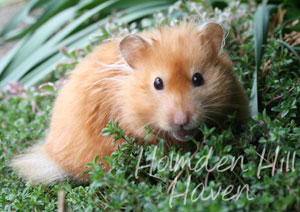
[271, 134]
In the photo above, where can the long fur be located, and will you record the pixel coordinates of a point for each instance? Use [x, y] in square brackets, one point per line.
[104, 85]
[34, 165]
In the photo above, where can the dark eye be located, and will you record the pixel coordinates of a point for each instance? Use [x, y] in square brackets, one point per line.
[158, 83]
[197, 79]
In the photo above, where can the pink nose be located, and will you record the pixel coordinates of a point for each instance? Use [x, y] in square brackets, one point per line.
[180, 118]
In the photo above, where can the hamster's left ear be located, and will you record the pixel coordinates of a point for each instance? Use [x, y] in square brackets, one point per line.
[133, 48]
[213, 32]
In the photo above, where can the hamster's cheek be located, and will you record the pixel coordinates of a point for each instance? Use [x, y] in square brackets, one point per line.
[197, 117]
[197, 109]
[160, 117]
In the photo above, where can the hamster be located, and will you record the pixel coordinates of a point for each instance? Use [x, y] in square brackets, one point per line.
[170, 79]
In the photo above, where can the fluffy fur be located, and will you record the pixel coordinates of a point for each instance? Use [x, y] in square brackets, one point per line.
[117, 80]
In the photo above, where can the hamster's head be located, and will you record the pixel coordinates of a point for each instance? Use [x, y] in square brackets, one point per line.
[180, 78]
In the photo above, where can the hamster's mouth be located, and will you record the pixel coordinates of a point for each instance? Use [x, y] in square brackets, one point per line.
[182, 134]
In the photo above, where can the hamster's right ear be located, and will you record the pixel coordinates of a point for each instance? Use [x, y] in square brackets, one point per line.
[213, 32]
[133, 48]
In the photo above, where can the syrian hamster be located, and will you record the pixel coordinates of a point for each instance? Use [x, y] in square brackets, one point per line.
[170, 79]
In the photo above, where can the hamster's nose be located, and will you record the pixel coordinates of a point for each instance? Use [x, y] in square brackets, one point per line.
[180, 118]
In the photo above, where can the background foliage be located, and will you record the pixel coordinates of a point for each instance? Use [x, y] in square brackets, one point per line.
[265, 56]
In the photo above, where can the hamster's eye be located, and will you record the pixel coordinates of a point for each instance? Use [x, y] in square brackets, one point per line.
[197, 79]
[158, 83]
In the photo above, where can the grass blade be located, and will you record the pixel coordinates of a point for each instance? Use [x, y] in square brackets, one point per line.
[17, 71]
[40, 36]
[261, 23]
[290, 48]
[5, 60]
[79, 40]
[20, 15]
[50, 8]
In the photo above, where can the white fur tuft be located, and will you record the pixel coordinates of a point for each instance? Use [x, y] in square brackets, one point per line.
[36, 166]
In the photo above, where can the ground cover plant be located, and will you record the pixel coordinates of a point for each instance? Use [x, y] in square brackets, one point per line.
[254, 167]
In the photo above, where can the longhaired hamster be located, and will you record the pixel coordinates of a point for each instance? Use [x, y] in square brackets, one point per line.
[170, 79]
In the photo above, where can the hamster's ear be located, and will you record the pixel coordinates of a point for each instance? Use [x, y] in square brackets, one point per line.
[213, 32]
[132, 48]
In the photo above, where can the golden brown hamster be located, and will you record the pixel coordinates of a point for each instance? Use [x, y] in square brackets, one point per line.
[170, 79]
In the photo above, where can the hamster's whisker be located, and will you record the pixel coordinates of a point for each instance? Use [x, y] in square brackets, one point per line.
[159, 131]
[215, 113]
[211, 119]
[168, 141]
[112, 78]
[147, 124]
[119, 65]
[223, 94]
[214, 105]
[219, 97]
